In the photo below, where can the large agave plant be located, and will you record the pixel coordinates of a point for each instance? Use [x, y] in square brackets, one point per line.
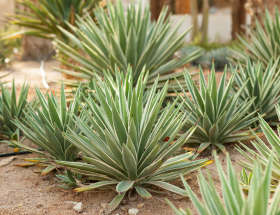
[44, 128]
[258, 200]
[264, 86]
[11, 108]
[43, 18]
[129, 145]
[219, 112]
[125, 39]
[264, 151]
[262, 43]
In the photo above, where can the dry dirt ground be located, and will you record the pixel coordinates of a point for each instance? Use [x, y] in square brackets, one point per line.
[25, 191]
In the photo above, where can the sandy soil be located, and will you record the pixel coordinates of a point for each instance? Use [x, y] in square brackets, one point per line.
[25, 191]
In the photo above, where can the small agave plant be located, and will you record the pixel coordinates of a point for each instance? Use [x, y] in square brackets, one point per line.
[130, 145]
[245, 178]
[263, 85]
[234, 202]
[11, 108]
[44, 16]
[262, 43]
[44, 128]
[125, 38]
[220, 114]
[264, 151]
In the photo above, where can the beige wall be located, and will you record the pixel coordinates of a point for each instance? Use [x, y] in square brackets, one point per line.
[6, 6]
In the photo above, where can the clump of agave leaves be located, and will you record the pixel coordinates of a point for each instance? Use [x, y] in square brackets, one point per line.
[130, 145]
[44, 128]
[264, 151]
[125, 39]
[44, 16]
[263, 85]
[11, 108]
[219, 54]
[234, 201]
[219, 112]
[108, 81]
[262, 42]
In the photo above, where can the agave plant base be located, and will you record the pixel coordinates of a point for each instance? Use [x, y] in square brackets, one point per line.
[44, 194]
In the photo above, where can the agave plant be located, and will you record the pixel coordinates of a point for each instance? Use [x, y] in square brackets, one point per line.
[46, 15]
[234, 201]
[219, 55]
[219, 112]
[265, 87]
[264, 152]
[10, 108]
[130, 39]
[44, 128]
[262, 43]
[129, 145]
[245, 178]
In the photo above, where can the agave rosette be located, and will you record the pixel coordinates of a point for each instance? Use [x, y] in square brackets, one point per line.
[44, 128]
[234, 201]
[262, 43]
[219, 112]
[125, 39]
[42, 19]
[264, 86]
[11, 108]
[264, 152]
[129, 144]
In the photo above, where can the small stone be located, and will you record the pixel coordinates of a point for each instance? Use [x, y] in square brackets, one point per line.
[133, 211]
[78, 207]
[140, 205]
[39, 205]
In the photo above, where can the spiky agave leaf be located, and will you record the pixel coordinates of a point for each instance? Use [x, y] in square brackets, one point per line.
[262, 42]
[245, 178]
[264, 152]
[11, 108]
[44, 128]
[125, 39]
[43, 18]
[219, 112]
[264, 86]
[130, 144]
[108, 81]
[234, 201]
